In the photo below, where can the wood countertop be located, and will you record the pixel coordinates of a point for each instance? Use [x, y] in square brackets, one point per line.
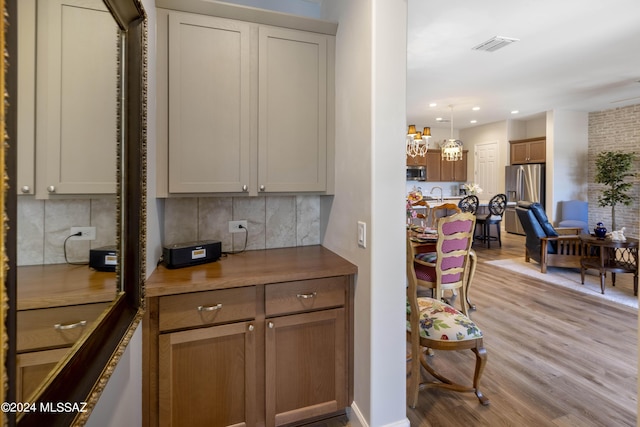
[57, 285]
[250, 268]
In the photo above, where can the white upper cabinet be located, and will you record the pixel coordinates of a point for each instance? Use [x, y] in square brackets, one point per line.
[77, 86]
[247, 107]
[292, 114]
[209, 109]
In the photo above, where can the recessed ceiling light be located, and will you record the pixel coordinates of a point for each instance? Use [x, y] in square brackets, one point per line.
[439, 119]
[475, 108]
[433, 104]
[473, 121]
[515, 112]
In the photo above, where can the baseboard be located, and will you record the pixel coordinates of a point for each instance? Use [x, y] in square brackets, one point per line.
[356, 419]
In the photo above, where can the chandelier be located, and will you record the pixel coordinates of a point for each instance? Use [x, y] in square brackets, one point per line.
[451, 148]
[417, 142]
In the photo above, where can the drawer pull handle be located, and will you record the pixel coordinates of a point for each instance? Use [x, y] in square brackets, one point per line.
[250, 328]
[61, 327]
[307, 296]
[270, 324]
[209, 307]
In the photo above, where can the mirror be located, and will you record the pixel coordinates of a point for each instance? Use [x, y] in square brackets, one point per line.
[83, 369]
[69, 77]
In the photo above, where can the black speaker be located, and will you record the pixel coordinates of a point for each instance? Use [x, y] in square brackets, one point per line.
[104, 258]
[191, 253]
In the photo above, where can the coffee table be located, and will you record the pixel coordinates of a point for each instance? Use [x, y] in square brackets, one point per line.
[611, 256]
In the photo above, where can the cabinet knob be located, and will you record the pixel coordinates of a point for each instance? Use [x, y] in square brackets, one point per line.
[251, 328]
[270, 325]
[245, 188]
[209, 307]
[262, 188]
[51, 189]
[25, 189]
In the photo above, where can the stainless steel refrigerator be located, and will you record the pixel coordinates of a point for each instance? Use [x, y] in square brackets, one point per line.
[523, 182]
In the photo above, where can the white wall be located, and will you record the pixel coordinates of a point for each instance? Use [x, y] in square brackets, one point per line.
[121, 401]
[567, 157]
[370, 187]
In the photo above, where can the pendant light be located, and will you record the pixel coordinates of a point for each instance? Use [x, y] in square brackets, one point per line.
[417, 143]
[451, 148]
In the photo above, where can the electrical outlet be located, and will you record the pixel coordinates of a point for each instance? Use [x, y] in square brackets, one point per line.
[234, 226]
[88, 233]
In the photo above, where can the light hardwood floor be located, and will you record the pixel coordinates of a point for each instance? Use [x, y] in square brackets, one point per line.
[555, 357]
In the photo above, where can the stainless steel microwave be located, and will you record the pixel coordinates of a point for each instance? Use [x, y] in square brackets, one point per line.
[416, 173]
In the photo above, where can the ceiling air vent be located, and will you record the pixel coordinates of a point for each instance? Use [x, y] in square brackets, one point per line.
[495, 43]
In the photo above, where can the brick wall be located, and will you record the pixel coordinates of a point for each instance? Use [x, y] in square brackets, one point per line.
[613, 130]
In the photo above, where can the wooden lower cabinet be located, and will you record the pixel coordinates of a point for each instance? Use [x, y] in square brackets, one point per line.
[306, 371]
[207, 376]
[264, 355]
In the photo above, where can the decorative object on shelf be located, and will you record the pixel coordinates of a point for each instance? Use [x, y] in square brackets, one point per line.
[600, 230]
[472, 188]
[612, 168]
[618, 235]
[451, 148]
[417, 142]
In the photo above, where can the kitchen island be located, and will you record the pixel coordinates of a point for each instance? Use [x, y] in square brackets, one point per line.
[258, 338]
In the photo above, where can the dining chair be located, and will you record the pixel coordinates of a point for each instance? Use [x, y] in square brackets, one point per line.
[497, 206]
[446, 267]
[431, 323]
[469, 204]
[445, 209]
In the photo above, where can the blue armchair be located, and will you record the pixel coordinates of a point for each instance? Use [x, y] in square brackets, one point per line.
[574, 213]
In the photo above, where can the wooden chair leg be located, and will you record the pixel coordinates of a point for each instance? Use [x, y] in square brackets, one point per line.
[481, 361]
[414, 380]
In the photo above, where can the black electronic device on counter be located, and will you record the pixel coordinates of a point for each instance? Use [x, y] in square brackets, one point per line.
[104, 258]
[191, 253]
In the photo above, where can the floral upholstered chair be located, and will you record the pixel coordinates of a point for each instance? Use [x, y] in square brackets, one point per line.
[433, 324]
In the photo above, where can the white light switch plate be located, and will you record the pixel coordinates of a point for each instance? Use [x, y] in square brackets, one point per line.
[362, 234]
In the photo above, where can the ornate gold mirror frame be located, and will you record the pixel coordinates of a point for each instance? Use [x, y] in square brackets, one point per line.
[83, 374]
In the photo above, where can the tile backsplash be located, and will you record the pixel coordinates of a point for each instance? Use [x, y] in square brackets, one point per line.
[43, 226]
[272, 222]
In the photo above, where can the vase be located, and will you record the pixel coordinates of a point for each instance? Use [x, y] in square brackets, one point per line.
[600, 230]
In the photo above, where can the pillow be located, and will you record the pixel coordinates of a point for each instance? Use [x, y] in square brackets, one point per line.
[427, 257]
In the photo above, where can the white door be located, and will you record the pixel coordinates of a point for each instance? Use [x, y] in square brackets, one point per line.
[486, 168]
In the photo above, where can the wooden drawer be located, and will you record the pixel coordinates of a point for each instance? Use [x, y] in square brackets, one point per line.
[207, 308]
[305, 295]
[55, 327]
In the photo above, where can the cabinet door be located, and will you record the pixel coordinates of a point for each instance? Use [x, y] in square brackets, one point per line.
[447, 170]
[306, 367]
[292, 111]
[76, 98]
[25, 183]
[519, 153]
[537, 151]
[417, 161]
[433, 165]
[209, 112]
[32, 368]
[460, 168]
[207, 377]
